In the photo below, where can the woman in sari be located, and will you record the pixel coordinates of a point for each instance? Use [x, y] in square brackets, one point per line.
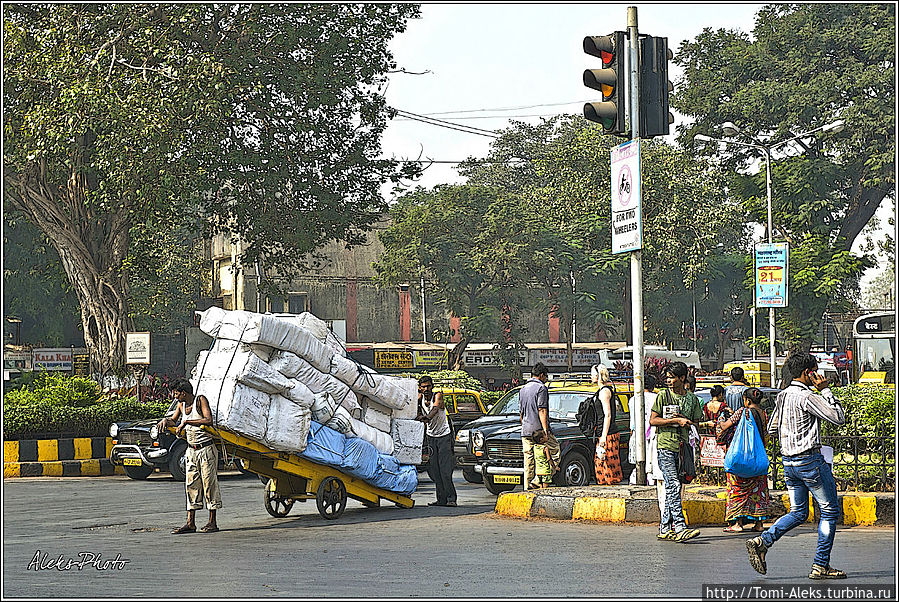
[747, 498]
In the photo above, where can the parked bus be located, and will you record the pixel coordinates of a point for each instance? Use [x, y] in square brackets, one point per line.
[874, 348]
[626, 354]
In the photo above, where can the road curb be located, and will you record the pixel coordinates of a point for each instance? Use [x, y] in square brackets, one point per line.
[68, 457]
[97, 467]
[861, 509]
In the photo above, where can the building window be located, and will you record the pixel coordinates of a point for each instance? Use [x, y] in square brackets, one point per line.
[275, 305]
[297, 303]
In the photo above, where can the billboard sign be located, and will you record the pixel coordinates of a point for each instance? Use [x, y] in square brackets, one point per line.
[137, 348]
[771, 274]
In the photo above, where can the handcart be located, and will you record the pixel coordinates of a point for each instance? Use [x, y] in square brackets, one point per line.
[293, 478]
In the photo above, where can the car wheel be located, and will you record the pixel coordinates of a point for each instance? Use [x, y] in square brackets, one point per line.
[496, 488]
[178, 462]
[574, 471]
[139, 473]
[471, 476]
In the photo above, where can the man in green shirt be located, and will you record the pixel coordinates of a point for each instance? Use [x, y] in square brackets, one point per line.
[674, 410]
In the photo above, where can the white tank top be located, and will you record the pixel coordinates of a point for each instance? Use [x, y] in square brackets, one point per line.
[195, 434]
[438, 426]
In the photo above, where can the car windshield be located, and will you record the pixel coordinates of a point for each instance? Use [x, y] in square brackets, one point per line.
[562, 404]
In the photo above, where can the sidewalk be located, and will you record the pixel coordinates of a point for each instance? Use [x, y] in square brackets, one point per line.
[703, 505]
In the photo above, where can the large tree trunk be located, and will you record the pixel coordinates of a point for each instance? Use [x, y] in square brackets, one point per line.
[92, 246]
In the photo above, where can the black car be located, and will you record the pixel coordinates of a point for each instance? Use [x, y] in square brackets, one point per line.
[491, 446]
[141, 448]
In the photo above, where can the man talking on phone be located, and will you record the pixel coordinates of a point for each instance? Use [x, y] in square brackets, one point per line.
[797, 422]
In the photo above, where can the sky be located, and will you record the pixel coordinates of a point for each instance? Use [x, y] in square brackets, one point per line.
[478, 65]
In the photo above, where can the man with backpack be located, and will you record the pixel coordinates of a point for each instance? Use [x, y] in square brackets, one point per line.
[674, 410]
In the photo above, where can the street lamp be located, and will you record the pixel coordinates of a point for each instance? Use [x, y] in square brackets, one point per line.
[730, 129]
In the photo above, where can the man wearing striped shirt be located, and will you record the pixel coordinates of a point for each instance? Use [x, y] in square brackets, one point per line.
[797, 422]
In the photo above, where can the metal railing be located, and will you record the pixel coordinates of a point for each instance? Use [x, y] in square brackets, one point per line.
[864, 459]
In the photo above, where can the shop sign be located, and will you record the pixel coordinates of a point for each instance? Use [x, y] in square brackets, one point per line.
[17, 360]
[559, 357]
[52, 359]
[430, 358]
[393, 360]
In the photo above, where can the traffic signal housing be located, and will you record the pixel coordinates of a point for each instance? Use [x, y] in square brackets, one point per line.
[654, 87]
[611, 81]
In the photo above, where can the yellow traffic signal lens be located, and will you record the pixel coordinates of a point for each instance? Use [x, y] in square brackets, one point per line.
[607, 90]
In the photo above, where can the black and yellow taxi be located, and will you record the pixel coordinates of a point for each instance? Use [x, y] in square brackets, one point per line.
[492, 444]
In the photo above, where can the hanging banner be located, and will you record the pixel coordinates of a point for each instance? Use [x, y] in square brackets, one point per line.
[771, 262]
[627, 229]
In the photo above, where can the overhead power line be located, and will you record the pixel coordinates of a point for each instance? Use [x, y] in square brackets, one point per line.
[447, 124]
[555, 104]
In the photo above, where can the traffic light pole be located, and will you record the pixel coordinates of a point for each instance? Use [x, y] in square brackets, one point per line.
[636, 256]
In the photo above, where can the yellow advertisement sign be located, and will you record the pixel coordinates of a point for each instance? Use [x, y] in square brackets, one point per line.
[393, 359]
[431, 358]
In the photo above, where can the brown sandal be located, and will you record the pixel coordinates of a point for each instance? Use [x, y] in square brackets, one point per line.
[184, 529]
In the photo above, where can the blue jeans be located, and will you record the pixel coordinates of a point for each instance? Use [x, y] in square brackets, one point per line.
[804, 474]
[673, 513]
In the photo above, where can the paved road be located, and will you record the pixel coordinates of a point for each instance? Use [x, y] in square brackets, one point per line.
[420, 552]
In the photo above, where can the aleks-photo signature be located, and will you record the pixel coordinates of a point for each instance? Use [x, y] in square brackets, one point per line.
[43, 562]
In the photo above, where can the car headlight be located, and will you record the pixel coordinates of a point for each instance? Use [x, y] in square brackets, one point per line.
[463, 436]
[478, 439]
[113, 429]
[154, 431]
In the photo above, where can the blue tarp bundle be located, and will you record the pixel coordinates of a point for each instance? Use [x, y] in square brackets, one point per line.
[324, 445]
[360, 459]
[394, 476]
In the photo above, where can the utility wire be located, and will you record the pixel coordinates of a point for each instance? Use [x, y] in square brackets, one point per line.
[501, 116]
[447, 124]
[555, 104]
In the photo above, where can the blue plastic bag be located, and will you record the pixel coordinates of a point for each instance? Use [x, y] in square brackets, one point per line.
[746, 456]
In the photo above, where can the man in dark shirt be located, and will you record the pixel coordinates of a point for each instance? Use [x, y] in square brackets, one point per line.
[533, 402]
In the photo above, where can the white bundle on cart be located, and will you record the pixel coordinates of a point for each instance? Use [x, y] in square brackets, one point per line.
[301, 366]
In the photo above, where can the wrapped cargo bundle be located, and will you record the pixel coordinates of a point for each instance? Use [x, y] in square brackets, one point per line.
[288, 425]
[408, 437]
[293, 366]
[381, 440]
[307, 381]
[359, 458]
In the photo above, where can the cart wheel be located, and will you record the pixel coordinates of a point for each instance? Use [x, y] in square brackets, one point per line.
[331, 498]
[276, 505]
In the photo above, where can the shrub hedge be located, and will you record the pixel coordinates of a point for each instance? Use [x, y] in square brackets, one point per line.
[56, 389]
[48, 420]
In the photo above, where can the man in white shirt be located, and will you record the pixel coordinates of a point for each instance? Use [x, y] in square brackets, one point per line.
[797, 422]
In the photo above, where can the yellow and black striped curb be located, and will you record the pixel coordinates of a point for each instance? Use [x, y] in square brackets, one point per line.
[77, 457]
[858, 508]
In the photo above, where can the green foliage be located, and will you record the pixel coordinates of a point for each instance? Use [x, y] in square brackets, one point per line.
[35, 288]
[123, 122]
[872, 407]
[454, 378]
[93, 421]
[804, 66]
[56, 389]
[491, 397]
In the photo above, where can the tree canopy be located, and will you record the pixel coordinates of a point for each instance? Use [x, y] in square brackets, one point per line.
[262, 121]
[803, 66]
[536, 226]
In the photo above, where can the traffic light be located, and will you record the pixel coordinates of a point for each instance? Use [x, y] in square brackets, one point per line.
[611, 80]
[654, 87]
